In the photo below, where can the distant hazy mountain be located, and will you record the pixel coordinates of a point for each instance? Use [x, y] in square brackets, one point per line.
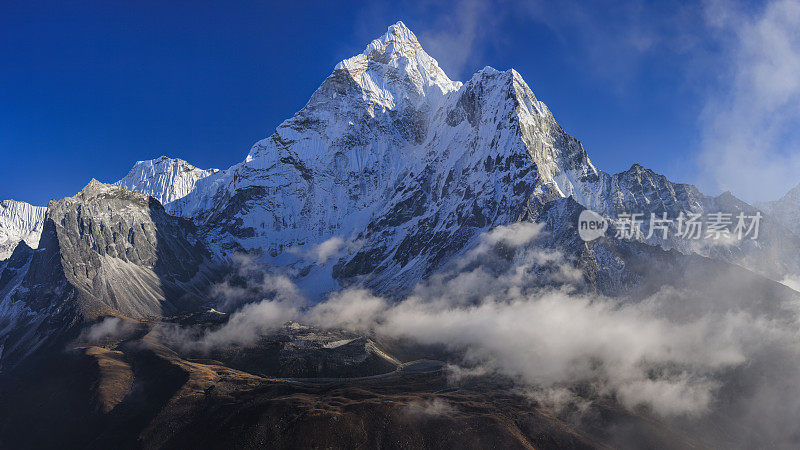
[786, 210]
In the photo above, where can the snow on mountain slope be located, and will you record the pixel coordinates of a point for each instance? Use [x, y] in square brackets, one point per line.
[355, 125]
[786, 210]
[407, 167]
[390, 171]
[383, 123]
[166, 179]
[19, 221]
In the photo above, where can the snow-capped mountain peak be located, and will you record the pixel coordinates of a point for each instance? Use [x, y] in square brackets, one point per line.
[391, 154]
[166, 179]
[19, 221]
[389, 148]
[395, 66]
[386, 120]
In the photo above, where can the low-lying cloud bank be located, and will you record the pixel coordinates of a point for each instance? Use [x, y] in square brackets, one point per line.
[676, 354]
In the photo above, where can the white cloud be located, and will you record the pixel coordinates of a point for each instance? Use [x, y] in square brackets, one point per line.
[261, 302]
[612, 40]
[792, 282]
[251, 322]
[553, 339]
[352, 309]
[328, 249]
[678, 354]
[512, 236]
[454, 38]
[323, 251]
[434, 407]
[751, 141]
[110, 328]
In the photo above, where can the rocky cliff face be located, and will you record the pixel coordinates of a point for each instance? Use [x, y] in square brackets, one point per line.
[105, 251]
[19, 221]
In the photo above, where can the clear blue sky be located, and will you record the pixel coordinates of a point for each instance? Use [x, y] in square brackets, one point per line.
[89, 87]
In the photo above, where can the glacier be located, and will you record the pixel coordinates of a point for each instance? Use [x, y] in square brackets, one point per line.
[19, 221]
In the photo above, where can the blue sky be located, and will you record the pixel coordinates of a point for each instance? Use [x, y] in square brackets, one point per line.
[707, 92]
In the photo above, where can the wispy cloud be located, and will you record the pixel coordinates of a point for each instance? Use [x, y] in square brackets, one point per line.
[737, 66]
[751, 139]
[454, 33]
[108, 329]
[259, 302]
[611, 39]
[454, 39]
[428, 408]
[324, 251]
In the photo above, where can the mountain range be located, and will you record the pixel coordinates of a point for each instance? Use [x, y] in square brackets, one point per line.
[389, 176]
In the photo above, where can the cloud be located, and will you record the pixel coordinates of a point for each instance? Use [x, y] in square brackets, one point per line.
[251, 322]
[109, 329]
[499, 309]
[612, 40]
[557, 398]
[429, 408]
[792, 282]
[553, 339]
[454, 38]
[750, 137]
[323, 251]
[510, 236]
[457, 374]
[677, 354]
[682, 394]
[328, 249]
[352, 309]
[514, 235]
[249, 281]
[453, 33]
[517, 310]
[259, 302]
